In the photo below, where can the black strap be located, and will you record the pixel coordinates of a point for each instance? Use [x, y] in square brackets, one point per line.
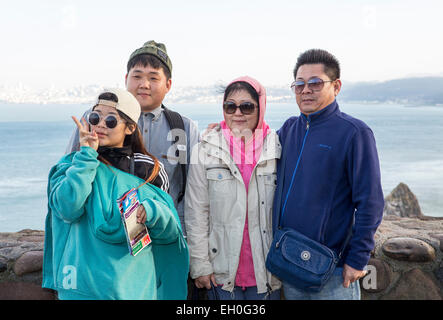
[196, 292]
[175, 121]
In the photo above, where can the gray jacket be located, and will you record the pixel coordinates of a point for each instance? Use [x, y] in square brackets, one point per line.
[216, 203]
[159, 142]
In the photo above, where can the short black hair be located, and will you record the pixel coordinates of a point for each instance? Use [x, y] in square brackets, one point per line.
[109, 96]
[148, 59]
[315, 56]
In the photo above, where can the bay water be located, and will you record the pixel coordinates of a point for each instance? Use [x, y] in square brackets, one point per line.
[34, 137]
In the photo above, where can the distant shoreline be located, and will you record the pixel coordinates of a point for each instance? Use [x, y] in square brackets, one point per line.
[414, 91]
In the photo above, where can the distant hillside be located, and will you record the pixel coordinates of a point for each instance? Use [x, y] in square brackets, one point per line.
[410, 91]
[424, 91]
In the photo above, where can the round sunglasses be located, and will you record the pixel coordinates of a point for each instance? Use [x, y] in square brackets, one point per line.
[245, 107]
[315, 84]
[111, 121]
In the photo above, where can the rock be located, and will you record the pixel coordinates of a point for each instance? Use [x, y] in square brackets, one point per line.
[439, 237]
[12, 253]
[439, 274]
[32, 239]
[3, 265]
[408, 249]
[28, 235]
[30, 261]
[24, 291]
[415, 285]
[382, 274]
[402, 202]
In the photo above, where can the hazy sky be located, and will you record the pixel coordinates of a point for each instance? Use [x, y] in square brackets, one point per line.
[69, 43]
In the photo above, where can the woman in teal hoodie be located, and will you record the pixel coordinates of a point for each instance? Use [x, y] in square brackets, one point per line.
[86, 252]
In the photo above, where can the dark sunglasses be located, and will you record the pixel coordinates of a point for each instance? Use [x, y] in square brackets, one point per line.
[315, 84]
[111, 121]
[245, 107]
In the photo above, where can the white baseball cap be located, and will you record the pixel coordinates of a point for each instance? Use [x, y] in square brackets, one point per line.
[127, 103]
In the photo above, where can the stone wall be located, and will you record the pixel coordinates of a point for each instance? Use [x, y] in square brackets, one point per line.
[21, 258]
[406, 263]
[407, 260]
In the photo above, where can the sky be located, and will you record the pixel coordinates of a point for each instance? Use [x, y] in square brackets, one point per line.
[68, 43]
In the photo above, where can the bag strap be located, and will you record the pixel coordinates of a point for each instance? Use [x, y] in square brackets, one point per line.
[175, 121]
[282, 211]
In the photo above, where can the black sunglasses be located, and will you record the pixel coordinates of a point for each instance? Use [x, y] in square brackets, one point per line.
[111, 121]
[315, 84]
[245, 107]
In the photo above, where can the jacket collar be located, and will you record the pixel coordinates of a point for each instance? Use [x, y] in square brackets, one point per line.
[115, 152]
[155, 113]
[218, 147]
[321, 115]
[117, 157]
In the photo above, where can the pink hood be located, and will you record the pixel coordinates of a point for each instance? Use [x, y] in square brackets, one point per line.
[261, 98]
[246, 154]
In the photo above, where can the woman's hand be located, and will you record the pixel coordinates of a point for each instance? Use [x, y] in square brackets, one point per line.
[141, 214]
[205, 281]
[86, 138]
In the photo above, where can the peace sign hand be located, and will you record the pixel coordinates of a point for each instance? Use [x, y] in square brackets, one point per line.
[86, 138]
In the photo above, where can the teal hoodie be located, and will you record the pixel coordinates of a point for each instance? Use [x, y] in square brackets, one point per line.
[86, 254]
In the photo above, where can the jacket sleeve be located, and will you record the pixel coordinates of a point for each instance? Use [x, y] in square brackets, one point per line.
[70, 184]
[161, 180]
[367, 196]
[197, 217]
[163, 226]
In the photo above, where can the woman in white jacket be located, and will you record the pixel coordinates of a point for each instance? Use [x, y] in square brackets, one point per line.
[229, 196]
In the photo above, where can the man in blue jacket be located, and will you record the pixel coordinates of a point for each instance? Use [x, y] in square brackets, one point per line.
[331, 176]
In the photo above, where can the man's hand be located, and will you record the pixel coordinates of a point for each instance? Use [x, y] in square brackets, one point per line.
[205, 281]
[350, 275]
[209, 128]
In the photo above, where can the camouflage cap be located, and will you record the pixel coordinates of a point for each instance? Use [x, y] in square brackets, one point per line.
[156, 49]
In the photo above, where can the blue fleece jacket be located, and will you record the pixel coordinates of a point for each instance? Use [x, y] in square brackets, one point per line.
[86, 255]
[331, 170]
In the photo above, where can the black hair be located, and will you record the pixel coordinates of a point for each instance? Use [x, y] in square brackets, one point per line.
[241, 85]
[314, 56]
[108, 96]
[148, 60]
[134, 140]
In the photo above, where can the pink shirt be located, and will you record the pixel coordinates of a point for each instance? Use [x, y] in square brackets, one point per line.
[245, 155]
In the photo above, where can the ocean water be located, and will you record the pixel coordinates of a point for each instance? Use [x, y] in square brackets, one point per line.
[34, 137]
